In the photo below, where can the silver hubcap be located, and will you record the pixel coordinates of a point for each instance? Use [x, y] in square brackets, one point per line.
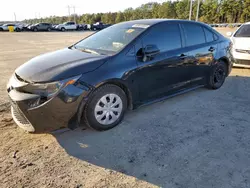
[108, 109]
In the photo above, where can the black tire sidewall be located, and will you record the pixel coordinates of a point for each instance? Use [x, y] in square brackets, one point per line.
[89, 112]
[211, 83]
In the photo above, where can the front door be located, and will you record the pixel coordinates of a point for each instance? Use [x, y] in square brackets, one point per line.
[165, 72]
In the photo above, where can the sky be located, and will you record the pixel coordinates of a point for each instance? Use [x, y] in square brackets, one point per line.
[25, 9]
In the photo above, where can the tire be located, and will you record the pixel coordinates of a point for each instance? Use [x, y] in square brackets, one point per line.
[35, 29]
[49, 29]
[62, 29]
[218, 75]
[94, 108]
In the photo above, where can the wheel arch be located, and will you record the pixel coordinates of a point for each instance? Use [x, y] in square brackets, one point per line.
[123, 86]
[226, 60]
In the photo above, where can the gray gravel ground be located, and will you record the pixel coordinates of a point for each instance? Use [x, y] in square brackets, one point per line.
[196, 140]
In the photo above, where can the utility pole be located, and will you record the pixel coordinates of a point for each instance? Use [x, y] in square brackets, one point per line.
[190, 11]
[15, 16]
[198, 9]
[69, 11]
[74, 8]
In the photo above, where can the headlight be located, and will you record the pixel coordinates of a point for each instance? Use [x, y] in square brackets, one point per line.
[49, 89]
[241, 51]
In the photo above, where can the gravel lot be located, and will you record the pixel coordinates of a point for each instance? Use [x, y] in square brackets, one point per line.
[197, 140]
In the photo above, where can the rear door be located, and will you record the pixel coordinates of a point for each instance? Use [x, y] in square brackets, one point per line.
[72, 25]
[201, 48]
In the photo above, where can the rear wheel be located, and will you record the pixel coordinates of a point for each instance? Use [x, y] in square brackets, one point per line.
[217, 76]
[105, 108]
[49, 29]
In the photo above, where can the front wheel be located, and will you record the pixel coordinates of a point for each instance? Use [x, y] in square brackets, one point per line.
[105, 108]
[217, 76]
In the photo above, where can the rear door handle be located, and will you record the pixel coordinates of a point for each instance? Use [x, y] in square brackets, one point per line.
[211, 49]
[183, 56]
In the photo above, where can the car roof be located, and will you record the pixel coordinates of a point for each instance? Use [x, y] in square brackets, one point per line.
[151, 22]
[247, 23]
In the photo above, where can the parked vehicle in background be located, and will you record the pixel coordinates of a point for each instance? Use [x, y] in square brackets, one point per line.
[98, 26]
[122, 67]
[82, 27]
[5, 27]
[26, 27]
[54, 26]
[67, 26]
[241, 45]
[41, 27]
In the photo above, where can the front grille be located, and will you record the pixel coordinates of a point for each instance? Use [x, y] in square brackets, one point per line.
[18, 114]
[242, 62]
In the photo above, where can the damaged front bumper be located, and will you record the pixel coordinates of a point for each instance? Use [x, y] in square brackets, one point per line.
[33, 114]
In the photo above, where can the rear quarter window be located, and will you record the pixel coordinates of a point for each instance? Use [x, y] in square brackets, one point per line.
[209, 35]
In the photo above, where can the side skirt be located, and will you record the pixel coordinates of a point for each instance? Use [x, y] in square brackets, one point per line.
[168, 96]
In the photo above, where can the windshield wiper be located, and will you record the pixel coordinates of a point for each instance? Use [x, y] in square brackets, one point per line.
[90, 51]
[87, 50]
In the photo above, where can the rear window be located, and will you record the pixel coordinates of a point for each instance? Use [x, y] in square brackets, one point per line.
[243, 31]
[194, 34]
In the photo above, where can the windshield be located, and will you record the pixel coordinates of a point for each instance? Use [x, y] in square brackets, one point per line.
[110, 40]
[243, 31]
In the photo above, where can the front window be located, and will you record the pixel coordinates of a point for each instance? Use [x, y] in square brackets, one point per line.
[109, 41]
[243, 31]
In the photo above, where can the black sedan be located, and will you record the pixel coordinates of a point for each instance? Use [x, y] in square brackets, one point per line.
[121, 67]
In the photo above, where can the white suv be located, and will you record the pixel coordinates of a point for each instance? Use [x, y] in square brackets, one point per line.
[67, 26]
[241, 45]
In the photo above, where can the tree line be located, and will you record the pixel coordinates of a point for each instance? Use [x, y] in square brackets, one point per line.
[211, 11]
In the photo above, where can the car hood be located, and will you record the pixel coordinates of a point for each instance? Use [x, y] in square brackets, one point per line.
[242, 43]
[59, 65]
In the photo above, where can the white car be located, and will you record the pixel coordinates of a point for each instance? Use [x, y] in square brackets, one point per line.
[5, 27]
[241, 46]
[67, 26]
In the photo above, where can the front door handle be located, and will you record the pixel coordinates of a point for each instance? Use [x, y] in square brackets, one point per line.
[211, 49]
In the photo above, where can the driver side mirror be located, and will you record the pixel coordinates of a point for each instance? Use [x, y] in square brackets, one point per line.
[149, 52]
